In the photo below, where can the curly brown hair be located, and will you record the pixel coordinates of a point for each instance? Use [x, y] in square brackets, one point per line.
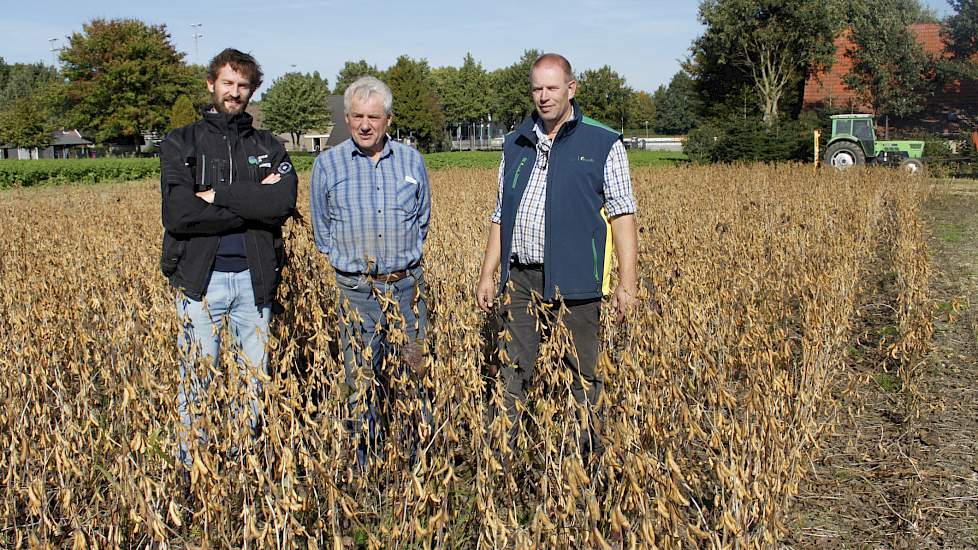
[239, 61]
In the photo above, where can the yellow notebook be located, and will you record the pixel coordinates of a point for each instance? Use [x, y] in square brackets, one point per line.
[609, 248]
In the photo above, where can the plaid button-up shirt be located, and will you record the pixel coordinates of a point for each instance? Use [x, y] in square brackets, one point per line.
[529, 232]
[370, 217]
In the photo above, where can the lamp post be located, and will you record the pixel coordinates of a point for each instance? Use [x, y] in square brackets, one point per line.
[646, 129]
[53, 49]
[196, 35]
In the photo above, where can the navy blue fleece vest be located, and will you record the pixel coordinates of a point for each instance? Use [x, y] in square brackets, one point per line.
[574, 243]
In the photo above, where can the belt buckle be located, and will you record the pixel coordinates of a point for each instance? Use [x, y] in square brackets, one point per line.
[391, 277]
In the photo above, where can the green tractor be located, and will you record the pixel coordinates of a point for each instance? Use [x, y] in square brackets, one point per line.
[854, 143]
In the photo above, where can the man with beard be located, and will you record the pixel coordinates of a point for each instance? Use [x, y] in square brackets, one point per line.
[227, 189]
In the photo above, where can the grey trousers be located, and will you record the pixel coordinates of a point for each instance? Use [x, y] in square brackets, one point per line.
[527, 328]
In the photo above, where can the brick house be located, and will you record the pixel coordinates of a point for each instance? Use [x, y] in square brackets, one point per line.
[943, 112]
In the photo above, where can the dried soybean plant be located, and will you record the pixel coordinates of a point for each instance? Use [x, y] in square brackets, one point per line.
[716, 387]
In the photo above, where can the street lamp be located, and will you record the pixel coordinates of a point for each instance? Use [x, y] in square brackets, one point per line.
[196, 35]
[53, 49]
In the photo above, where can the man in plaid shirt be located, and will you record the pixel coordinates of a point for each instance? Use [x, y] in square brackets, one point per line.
[564, 195]
[370, 205]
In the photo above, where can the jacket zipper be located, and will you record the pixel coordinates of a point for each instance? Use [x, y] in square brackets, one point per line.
[261, 266]
[230, 164]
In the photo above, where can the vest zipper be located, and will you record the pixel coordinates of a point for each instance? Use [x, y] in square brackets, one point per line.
[594, 254]
[518, 170]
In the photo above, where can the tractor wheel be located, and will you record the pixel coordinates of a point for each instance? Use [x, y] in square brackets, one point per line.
[912, 166]
[843, 155]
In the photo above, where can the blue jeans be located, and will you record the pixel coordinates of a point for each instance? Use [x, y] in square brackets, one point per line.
[202, 326]
[365, 325]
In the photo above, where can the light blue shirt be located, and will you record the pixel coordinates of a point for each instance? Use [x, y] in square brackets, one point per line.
[370, 217]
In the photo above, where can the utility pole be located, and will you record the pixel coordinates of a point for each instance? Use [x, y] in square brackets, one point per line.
[197, 36]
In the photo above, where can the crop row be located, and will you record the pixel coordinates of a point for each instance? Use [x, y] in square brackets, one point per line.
[719, 387]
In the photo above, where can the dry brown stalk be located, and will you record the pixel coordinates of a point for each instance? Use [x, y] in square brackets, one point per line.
[716, 391]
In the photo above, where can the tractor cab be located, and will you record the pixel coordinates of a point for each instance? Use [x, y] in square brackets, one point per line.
[854, 143]
[856, 128]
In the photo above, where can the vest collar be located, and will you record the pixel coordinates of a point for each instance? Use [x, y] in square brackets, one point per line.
[525, 129]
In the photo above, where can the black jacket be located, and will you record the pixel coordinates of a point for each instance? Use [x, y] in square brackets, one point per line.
[226, 153]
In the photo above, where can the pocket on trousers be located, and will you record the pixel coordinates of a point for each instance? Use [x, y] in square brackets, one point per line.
[354, 282]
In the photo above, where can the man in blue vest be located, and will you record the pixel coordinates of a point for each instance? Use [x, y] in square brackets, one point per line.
[563, 186]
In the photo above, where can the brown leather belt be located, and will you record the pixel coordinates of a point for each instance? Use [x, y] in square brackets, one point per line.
[391, 277]
[387, 277]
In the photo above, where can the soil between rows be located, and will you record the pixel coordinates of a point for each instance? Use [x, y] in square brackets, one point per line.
[888, 479]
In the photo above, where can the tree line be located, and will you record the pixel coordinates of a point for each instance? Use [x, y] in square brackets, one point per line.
[121, 78]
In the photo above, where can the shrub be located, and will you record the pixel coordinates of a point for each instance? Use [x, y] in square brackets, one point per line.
[732, 139]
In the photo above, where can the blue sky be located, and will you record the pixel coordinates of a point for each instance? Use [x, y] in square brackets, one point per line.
[644, 40]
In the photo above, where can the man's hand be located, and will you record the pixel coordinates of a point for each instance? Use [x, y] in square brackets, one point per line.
[207, 196]
[485, 289]
[274, 177]
[626, 246]
[485, 293]
[623, 300]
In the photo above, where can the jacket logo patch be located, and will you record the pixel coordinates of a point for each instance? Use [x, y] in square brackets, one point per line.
[586, 159]
[284, 168]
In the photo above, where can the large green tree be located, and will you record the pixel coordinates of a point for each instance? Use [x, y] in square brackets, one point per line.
[25, 123]
[511, 91]
[31, 97]
[961, 29]
[960, 32]
[641, 110]
[890, 69]
[603, 95]
[123, 76]
[771, 44]
[296, 103]
[353, 70]
[464, 92]
[22, 80]
[676, 105]
[416, 109]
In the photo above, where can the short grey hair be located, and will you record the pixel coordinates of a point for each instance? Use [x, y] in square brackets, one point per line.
[362, 88]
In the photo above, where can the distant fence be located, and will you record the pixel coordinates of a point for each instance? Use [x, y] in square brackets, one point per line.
[477, 144]
[673, 144]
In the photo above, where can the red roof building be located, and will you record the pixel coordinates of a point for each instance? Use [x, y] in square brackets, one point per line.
[828, 89]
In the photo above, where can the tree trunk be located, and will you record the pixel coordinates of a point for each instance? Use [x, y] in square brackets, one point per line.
[771, 108]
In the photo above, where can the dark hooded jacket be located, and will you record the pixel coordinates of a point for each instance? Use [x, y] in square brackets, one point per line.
[227, 154]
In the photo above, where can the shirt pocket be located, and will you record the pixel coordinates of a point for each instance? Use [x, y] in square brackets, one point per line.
[406, 192]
